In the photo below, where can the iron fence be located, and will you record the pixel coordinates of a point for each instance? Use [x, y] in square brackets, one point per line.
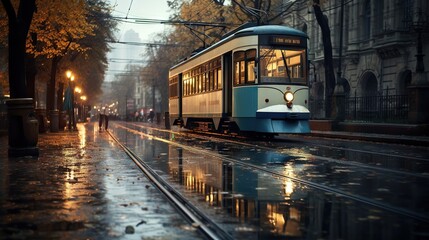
[389, 108]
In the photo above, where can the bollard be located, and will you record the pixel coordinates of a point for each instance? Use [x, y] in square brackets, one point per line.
[41, 117]
[62, 122]
[54, 120]
[23, 128]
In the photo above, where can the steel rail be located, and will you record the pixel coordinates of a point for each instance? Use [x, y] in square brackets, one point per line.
[404, 212]
[198, 219]
[217, 138]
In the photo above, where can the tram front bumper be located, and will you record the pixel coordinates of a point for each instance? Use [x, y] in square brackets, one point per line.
[281, 111]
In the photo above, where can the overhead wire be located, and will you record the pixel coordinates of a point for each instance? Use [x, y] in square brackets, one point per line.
[129, 8]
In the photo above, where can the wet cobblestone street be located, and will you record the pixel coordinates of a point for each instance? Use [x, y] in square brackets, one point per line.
[82, 187]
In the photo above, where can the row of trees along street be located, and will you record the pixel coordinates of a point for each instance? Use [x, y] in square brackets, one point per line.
[198, 24]
[48, 37]
[45, 38]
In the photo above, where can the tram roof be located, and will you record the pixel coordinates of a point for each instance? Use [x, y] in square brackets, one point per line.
[270, 29]
[254, 30]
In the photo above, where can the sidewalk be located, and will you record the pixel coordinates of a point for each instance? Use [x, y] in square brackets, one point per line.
[374, 137]
[82, 187]
[409, 134]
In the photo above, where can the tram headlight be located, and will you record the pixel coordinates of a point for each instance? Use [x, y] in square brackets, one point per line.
[288, 96]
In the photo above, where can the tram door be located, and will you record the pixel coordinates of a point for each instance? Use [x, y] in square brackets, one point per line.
[227, 85]
[180, 95]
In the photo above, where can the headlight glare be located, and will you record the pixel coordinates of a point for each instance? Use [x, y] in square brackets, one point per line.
[288, 97]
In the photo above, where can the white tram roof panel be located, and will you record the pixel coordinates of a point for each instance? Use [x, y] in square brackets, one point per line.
[255, 30]
[271, 30]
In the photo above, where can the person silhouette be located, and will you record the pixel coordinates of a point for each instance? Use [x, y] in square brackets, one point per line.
[106, 118]
[100, 121]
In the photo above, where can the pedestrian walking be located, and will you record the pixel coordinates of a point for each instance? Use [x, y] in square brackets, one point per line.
[151, 115]
[106, 121]
[106, 118]
[100, 121]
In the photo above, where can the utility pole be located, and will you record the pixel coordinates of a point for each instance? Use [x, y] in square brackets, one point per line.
[339, 96]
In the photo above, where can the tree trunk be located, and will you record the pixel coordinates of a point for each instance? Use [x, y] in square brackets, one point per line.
[17, 80]
[18, 30]
[322, 20]
[31, 71]
[60, 94]
[50, 98]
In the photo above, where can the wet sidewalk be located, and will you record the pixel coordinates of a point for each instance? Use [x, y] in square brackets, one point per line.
[82, 186]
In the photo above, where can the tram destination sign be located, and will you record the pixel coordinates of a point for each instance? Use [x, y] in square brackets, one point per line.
[285, 40]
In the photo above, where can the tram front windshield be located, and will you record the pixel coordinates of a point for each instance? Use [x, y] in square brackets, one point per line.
[283, 66]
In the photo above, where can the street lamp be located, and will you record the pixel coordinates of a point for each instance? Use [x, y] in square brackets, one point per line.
[69, 74]
[82, 110]
[70, 97]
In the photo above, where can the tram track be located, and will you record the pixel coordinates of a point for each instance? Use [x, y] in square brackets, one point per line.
[197, 218]
[338, 192]
[221, 138]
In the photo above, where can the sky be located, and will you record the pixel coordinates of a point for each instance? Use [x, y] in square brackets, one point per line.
[133, 32]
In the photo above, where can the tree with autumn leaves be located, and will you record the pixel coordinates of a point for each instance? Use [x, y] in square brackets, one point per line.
[42, 32]
[200, 23]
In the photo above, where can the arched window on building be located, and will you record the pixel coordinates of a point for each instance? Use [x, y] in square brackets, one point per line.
[368, 100]
[368, 85]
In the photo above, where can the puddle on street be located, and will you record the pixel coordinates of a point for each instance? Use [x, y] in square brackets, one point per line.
[255, 205]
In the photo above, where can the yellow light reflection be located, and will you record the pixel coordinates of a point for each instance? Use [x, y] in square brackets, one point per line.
[237, 207]
[288, 187]
[285, 219]
[82, 137]
[288, 183]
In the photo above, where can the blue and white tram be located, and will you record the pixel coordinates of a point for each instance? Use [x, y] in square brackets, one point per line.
[254, 80]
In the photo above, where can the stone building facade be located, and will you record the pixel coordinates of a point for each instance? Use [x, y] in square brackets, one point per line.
[379, 44]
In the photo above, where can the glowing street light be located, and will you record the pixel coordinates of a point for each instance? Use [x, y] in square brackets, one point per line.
[70, 97]
[78, 90]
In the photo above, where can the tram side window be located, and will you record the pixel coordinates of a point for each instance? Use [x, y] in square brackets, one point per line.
[244, 65]
[238, 62]
[250, 61]
[219, 78]
[219, 73]
[203, 78]
[173, 93]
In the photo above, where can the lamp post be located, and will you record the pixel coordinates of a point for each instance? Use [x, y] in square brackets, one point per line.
[339, 96]
[70, 108]
[78, 91]
[419, 88]
[73, 114]
[83, 112]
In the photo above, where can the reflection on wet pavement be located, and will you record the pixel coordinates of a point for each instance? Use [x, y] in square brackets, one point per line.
[82, 187]
[256, 205]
